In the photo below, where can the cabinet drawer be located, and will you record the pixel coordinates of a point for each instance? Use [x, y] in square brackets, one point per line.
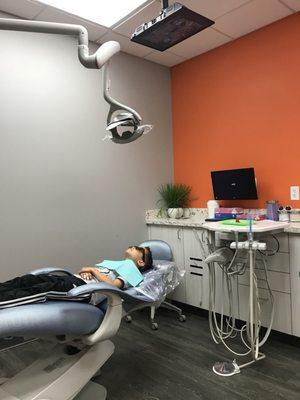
[282, 304]
[280, 262]
[277, 280]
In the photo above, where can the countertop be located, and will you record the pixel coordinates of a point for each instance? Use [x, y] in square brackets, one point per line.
[197, 220]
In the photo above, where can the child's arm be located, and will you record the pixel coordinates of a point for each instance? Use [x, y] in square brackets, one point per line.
[102, 277]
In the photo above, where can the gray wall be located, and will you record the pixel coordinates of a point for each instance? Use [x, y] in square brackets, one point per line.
[67, 197]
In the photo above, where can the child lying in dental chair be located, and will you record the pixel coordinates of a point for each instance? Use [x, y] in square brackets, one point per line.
[126, 273]
[122, 274]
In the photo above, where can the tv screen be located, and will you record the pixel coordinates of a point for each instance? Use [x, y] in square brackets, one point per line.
[234, 184]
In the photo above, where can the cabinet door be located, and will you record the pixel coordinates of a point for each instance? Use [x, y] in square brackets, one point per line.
[197, 276]
[282, 308]
[196, 270]
[295, 282]
[174, 237]
[223, 290]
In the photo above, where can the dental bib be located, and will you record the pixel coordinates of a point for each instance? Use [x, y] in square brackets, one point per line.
[125, 269]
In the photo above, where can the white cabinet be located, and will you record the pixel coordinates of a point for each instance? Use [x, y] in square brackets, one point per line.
[279, 281]
[295, 283]
[174, 237]
[196, 270]
[282, 304]
[284, 277]
[197, 275]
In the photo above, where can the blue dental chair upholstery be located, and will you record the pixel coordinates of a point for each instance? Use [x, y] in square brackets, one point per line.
[51, 318]
[160, 250]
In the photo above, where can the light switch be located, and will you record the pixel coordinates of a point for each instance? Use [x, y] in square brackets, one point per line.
[294, 192]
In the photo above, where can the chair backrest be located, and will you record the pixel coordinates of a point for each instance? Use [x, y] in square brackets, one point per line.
[160, 250]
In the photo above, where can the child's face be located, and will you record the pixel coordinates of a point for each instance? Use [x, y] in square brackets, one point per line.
[136, 254]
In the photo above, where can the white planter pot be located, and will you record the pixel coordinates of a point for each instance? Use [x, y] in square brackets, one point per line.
[175, 212]
[186, 213]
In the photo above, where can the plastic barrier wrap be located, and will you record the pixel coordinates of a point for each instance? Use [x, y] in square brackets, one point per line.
[162, 279]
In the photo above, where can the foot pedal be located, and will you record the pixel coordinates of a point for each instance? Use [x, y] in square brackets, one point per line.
[226, 368]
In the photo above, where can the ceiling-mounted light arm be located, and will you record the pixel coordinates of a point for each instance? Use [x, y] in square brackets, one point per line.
[116, 105]
[130, 120]
[96, 60]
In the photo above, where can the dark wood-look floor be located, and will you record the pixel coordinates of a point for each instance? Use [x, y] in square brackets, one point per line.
[175, 363]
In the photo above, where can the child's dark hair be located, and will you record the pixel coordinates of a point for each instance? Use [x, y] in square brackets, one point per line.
[148, 260]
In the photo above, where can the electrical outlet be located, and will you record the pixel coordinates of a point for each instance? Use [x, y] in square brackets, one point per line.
[295, 193]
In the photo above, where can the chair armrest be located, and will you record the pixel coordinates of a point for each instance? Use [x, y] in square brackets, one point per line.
[113, 315]
[50, 270]
[112, 319]
[103, 288]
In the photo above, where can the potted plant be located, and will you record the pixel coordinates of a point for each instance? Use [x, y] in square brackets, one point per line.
[174, 197]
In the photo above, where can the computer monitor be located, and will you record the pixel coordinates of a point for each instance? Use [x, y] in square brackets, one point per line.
[234, 184]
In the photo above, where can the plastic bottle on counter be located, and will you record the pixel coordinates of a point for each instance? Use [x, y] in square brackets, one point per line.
[211, 206]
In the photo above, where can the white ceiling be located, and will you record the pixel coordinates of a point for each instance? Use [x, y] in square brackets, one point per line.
[233, 19]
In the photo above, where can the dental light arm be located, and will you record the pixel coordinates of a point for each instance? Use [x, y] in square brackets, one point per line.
[117, 118]
[114, 103]
[121, 116]
[96, 60]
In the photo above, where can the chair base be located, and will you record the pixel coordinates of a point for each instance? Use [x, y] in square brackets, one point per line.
[92, 391]
[59, 376]
[169, 306]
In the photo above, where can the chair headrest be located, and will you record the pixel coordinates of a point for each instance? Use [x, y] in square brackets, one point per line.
[160, 250]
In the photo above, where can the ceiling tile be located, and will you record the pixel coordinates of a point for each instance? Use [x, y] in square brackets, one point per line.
[213, 8]
[53, 15]
[127, 27]
[251, 16]
[22, 8]
[293, 4]
[164, 58]
[126, 45]
[200, 43]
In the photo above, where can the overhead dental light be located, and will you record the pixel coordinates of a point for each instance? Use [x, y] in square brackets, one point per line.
[174, 24]
[131, 122]
[123, 122]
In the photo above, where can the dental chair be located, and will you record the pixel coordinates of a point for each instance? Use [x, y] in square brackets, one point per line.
[79, 323]
[81, 331]
[162, 254]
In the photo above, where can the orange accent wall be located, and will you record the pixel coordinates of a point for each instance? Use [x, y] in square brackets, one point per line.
[238, 106]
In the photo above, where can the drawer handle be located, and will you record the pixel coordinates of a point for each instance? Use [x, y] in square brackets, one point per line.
[200, 259]
[195, 273]
[196, 266]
